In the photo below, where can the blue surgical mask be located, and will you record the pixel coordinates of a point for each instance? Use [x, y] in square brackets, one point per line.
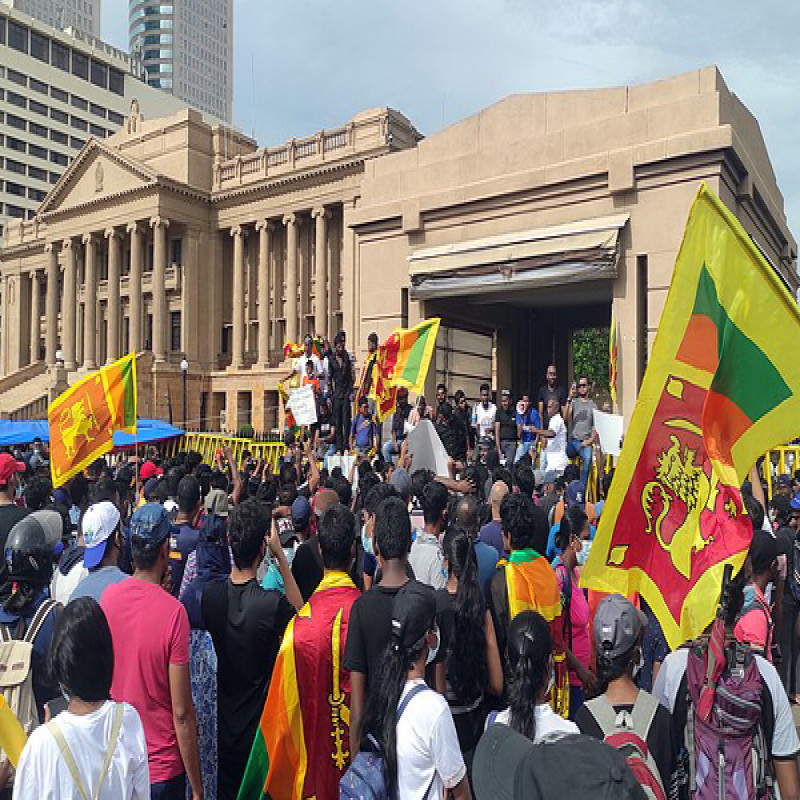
[582, 555]
[366, 540]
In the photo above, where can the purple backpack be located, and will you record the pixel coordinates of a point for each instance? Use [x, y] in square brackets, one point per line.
[728, 755]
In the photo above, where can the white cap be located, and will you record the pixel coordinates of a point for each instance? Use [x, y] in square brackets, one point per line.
[99, 522]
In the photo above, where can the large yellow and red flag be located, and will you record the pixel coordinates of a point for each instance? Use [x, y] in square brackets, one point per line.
[722, 386]
[83, 419]
[403, 360]
[302, 745]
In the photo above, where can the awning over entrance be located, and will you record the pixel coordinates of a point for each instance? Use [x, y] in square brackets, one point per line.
[537, 258]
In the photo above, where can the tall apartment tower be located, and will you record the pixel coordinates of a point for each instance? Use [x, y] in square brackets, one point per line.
[81, 14]
[186, 47]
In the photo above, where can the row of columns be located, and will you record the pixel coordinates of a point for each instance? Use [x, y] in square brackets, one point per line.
[265, 229]
[69, 255]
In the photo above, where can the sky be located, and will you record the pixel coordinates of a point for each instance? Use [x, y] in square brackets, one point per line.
[304, 65]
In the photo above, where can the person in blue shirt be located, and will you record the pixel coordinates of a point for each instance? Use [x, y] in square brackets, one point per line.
[364, 430]
[528, 421]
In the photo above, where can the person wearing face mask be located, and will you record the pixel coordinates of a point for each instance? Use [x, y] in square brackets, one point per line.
[412, 723]
[622, 706]
[530, 659]
[572, 538]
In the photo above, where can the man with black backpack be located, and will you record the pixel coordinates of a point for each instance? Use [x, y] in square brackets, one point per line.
[748, 739]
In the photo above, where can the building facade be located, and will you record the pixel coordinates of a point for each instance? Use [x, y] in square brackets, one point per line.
[186, 47]
[58, 89]
[84, 15]
[517, 226]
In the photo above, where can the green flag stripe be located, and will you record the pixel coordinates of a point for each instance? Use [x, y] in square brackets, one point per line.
[414, 361]
[745, 375]
[255, 774]
[128, 404]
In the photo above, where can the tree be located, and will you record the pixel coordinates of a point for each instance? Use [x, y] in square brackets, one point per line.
[590, 355]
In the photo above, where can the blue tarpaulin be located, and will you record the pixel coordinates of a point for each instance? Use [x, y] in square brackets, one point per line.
[150, 430]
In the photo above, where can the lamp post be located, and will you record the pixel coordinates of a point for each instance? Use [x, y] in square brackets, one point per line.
[184, 370]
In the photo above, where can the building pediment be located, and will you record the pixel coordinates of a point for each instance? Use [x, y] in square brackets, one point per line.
[98, 172]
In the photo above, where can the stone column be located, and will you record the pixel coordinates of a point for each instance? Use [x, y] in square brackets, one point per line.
[90, 304]
[114, 260]
[290, 221]
[51, 306]
[36, 317]
[237, 335]
[159, 226]
[69, 305]
[264, 229]
[135, 287]
[321, 271]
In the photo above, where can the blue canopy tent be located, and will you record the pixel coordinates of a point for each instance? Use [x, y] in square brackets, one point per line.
[149, 430]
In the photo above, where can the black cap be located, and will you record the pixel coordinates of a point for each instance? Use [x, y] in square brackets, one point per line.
[413, 613]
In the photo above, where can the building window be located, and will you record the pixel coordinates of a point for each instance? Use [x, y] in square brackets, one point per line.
[15, 189]
[36, 194]
[2, 41]
[15, 122]
[116, 82]
[59, 116]
[80, 65]
[53, 177]
[38, 86]
[16, 77]
[15, 211]
[99, 74]
[16, 100]
[38, 130]
[40, 47]
[58, 158]
[59, 94]
[97, 131]
[17, 37]
[39, 108]
[117, 119]
[35, 150]
[75, 142]
[15, 166]
[15, 144]
[60, 138]
[79, 102]
[176, 251]
[39, 174]
[59, 57]
[97, 110]
[79, 123]
[175, 331]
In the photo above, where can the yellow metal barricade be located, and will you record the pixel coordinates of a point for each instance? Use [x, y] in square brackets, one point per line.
[207, 444]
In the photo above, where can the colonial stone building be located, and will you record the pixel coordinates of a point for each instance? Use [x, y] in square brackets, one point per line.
[517, 226]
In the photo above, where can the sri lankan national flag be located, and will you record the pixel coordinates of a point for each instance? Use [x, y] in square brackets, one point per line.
[83, 419]
[722, 387]
[613, 356]
[532, 585]
[302, 745]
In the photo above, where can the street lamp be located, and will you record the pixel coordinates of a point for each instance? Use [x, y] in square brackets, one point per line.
[59, 358]
[184, 370]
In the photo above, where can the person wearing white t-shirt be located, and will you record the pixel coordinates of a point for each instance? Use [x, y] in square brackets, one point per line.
[530, 657]
[556, 436]
[411, 722]
[95, 748]
[483, 415]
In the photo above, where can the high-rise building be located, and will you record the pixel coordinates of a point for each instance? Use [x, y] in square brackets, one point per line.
[186, 47]
[81, 14]
[58, 89]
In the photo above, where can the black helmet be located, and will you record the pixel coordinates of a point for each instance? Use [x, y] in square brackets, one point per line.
[29, 553]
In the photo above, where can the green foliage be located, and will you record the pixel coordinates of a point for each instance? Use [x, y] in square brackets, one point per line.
[246, 432]
[590, 355]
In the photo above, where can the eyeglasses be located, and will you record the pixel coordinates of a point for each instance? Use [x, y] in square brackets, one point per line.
[583, 385]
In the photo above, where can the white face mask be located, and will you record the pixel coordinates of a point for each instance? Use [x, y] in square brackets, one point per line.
[433, 651]
[582, 555]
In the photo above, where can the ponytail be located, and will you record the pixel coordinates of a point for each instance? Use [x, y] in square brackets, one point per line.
[529, 650]
[467, 666]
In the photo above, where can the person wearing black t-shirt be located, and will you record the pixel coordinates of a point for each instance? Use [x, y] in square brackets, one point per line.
[246, 624]
[342, 379]
[505, 429]
[369, 629]
[548, 390]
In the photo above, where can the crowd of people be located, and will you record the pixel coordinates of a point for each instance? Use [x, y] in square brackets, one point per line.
[157, 598]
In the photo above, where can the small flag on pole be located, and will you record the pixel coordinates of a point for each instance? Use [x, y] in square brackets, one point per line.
[612, 357]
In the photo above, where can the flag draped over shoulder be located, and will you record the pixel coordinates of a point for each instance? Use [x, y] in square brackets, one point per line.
[612, 358]
[403, 360]
[532, 585]
[302, 745]
[722, 386]
[83, 419]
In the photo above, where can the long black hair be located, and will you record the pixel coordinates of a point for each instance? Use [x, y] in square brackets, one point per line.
[384, 699]
[572, 523]
[529, 649]
[467, 667]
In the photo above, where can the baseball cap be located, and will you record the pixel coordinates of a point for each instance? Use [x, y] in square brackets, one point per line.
[413, 613]
[150, 470]
[9, 466]
[617, 625]
[99, 523]
[217, 503]
[764, 549]
[401, 481]
[575, 495]
[301, 512]
[150, 524]
[323, 500]
[505, 393]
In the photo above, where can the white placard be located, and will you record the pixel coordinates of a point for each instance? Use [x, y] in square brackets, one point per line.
[303, 405]
[610, 429]
[346, 463]
[427, 450]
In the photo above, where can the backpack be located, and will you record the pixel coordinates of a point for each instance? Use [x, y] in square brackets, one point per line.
[627, 732]
[365, 779]
[730, 750]
[16, 674]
